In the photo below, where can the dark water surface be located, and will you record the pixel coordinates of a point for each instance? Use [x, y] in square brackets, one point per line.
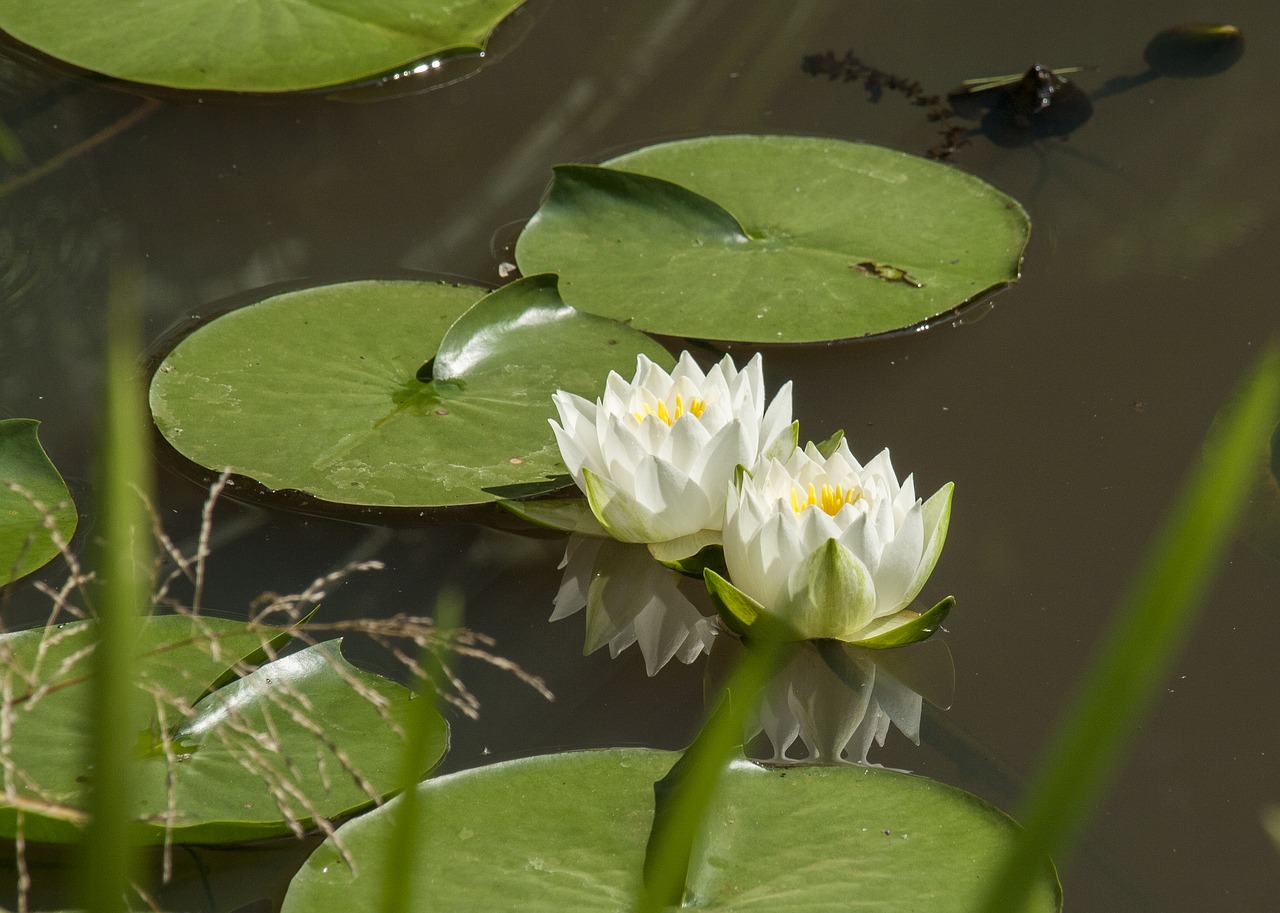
[1065, 415]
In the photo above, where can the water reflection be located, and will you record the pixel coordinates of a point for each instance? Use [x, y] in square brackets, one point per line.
[632, 599]
[828, 702]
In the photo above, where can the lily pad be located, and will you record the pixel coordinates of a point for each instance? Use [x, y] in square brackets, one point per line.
[254, 46]
[567, 833]
[299, 738]
[31, 491]
[358, 394]
[773, 238]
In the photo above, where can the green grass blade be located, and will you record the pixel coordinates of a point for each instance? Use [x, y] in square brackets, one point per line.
[406, 832]
[122, 593]
[684, 795]
[1151, 625]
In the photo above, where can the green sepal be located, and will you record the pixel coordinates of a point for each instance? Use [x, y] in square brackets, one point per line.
[744, 616]
[829, 594]
[709, 557]
[784, 445]
[831, 444]
[912, 628]
[736, 609]
[566, 515]
[604, 499]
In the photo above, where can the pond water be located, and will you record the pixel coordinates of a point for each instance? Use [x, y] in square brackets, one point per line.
[1065, 413]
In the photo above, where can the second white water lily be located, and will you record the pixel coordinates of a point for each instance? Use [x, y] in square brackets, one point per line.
[832, 548]
[655, 454]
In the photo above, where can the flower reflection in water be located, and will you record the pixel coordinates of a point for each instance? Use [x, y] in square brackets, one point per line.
[832, 701]
[630, 598]
[827, 703]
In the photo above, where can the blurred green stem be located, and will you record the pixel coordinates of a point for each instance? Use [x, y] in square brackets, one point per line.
[683, 797]
[1151, 625]
[406, 830]
[121, 595]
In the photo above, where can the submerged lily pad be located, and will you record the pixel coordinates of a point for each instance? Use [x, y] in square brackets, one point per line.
[299, 738]
[326, 391]
[258, 46]
[773, 238]
[28, 483]
[567, 833]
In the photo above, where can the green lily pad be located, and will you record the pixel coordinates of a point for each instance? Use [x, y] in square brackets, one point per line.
[320, 390]
[565, 515]
[294, 740]
[567, 833]
[773, 238]
[25, 541]
[252, 45]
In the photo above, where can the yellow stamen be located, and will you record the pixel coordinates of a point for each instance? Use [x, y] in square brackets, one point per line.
[664, 415]
[830, 499]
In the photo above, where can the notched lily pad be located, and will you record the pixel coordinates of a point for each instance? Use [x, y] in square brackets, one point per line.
[324, 390]
[31, 494]
[773, 239]
[259, 46]
[567, 833]
[305, 736]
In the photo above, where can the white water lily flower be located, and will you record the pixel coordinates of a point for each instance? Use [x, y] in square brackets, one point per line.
[655, 455]
[833, 548]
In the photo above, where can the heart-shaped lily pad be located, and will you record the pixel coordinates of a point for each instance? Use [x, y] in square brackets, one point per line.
[303, 737]
[31, 493]
[773, 238]
[325, 390]
[567, 833]
[252, 45]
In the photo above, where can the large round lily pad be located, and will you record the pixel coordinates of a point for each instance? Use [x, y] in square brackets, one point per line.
[251, 45]
[31, 493]
[320, 390]
[567, 833]
[773, 238]
[220, 758]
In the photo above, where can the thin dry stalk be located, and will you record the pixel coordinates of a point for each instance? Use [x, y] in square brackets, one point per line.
[255, 741]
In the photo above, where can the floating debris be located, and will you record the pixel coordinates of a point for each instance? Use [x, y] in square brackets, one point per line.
[1193, 50]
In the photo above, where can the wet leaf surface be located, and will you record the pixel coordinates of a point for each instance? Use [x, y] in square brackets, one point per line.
[28, 481]
[567, 833]
[773, 239]
[262, 46]
[323, 390]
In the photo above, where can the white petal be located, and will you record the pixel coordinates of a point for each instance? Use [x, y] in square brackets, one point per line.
[718, 460]
[936, 517]
[685, 444]
[671, 495]
[618, 394]
[777, 419]
[854, 537]
[571, 452]
[622, 515]
[686, 367]
[899, 562]
[816, 527]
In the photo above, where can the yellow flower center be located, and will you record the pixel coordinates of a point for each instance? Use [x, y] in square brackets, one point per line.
[830, 498]
[695, 409]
